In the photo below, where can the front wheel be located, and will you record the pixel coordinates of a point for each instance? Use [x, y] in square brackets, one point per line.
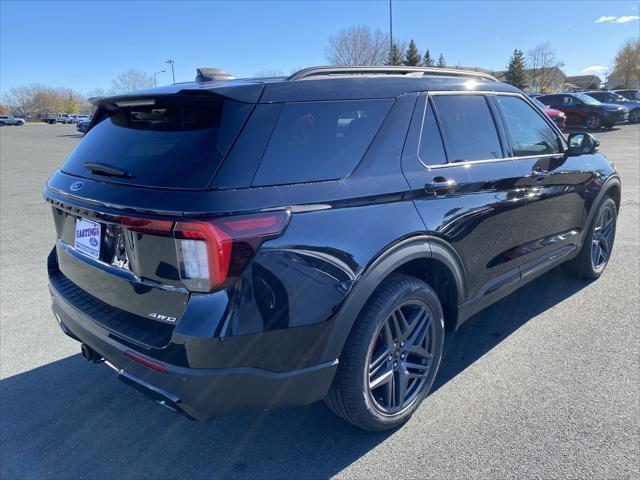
[391, 357]
[594, 121]
[634, 116]
[595, 253]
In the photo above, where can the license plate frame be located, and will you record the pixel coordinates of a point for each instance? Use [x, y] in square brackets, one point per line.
[88, 237]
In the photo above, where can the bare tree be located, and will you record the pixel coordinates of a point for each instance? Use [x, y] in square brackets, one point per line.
[358, 45]
[542, 60]
[32, 99]
[131, 80]
[626, 68]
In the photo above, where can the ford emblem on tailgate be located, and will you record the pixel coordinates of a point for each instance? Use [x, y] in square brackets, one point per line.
[75, 186]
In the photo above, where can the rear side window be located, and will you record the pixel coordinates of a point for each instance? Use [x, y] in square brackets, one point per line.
[550, 100]
[530, 133]
[315, 141]
[175, 141]
[430, 149]
[468, 127]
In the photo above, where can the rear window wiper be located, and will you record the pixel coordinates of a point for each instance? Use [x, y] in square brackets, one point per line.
[107, 170]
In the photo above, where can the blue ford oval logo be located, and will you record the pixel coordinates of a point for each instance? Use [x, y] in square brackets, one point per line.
[75, 186]
[93, 241]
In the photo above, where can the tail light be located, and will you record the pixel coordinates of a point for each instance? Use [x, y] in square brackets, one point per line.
[212, 252]
[151, 227]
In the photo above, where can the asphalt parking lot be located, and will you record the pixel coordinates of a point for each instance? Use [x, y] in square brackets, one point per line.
[544, 384]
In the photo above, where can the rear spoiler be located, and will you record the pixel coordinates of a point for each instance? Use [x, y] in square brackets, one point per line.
[245, 92]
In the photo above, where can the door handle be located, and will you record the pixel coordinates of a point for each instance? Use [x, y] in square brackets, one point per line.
[440, 185]
[540, 173]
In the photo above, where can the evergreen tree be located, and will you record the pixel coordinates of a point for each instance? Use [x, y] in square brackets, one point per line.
[396, 55]
[427, 61]
[516, 71]
[412, 57]
[441, 63]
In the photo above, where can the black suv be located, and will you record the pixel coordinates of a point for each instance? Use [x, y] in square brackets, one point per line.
[227, 245]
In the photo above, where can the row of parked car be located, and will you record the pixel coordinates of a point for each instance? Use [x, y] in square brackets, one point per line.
[592, 109]
[52, 118]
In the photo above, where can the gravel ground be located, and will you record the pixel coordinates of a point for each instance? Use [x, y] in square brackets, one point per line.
[544, 384]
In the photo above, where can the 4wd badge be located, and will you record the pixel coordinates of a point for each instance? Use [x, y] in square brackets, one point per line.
[164, 318]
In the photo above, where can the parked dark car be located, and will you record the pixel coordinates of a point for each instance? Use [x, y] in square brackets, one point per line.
[8, 120]
[615, 99]
[558, 117]
[234, 245]
[630, 94]
[583, 110]
[83, 126]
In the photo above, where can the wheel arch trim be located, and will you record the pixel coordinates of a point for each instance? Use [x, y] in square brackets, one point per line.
[610, 183]
[392, 258]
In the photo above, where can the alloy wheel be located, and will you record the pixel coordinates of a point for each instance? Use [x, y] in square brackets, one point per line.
[602, 238]
[401, 358]
[594, 122]
[634, 116]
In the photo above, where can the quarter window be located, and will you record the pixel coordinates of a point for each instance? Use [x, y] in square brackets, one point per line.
[430, 150]
[530, 133]
[316, 141]
[468, 128]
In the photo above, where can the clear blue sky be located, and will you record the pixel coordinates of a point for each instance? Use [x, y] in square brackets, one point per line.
[83, 45]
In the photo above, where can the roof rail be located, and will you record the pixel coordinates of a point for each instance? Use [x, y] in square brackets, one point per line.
[387, 70]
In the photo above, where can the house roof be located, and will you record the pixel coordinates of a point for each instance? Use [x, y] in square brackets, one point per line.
[577, 79]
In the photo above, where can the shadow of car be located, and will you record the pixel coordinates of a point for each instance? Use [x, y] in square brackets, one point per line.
[58, 421]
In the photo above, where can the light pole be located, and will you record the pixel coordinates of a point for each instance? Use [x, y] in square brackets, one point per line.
[390, 34]
[155, 77]
[173, 75]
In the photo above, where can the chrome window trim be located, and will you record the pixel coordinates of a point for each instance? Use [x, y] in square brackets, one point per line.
[489, 160]
[494, 160]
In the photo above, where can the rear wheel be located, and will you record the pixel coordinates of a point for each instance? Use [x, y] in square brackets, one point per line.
[598, 243]
[594, 121]
[391, 356]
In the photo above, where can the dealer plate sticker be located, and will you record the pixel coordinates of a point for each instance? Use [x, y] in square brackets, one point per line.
[88, 237]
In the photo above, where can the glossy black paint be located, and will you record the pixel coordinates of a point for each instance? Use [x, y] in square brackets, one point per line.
[504, 222]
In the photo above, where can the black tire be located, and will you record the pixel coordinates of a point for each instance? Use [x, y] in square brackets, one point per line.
[353, 395]
[596, 250]
[634, 116]
[594, 121]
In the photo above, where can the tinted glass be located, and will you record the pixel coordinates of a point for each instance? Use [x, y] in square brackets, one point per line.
[315, 141]
[430, 149]
[586, 99]
[530, 133]
[599, 96]
[467, 127]
[537, 102]
[178, 142]
[630, 94]
[552, 100]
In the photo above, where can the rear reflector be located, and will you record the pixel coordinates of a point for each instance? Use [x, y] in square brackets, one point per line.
[147, 362]
[212, 252]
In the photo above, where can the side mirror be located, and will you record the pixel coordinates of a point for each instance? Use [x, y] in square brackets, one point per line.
[581, 143]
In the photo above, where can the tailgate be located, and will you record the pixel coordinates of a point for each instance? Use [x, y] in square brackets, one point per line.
[131, 270]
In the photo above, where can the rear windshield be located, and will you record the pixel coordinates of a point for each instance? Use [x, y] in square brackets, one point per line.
[316, 141]
[172, 142]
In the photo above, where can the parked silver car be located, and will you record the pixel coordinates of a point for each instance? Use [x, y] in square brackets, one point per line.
[7, 120]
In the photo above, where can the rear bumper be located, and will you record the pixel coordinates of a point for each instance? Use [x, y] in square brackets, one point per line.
[199, 393]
